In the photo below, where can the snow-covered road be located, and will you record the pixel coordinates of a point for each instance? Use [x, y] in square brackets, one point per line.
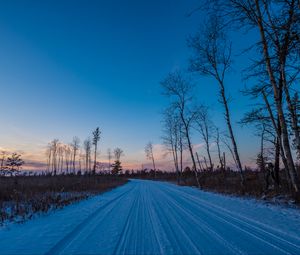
[146, 217]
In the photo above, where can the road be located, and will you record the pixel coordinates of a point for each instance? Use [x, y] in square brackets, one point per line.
[146, 217]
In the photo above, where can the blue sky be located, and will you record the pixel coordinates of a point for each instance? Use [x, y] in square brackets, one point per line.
[67, 67]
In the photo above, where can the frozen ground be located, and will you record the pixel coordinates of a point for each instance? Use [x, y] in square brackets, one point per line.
[145, 217]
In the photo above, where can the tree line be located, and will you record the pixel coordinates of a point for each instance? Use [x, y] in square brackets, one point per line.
[273, 74]
[73, 158]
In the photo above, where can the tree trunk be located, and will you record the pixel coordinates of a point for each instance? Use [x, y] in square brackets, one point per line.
[199, 163]
[206, 166]
[228, 121]
[277, 128]
[294, 117]
[95, 159]
[154, 166]
[175, 159]
[219, 150]
[209, 157]
[277, 161]
[181, 153]
[191, 150]
[285, 137]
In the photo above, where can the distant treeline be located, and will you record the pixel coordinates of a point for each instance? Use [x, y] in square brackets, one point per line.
[73, 158]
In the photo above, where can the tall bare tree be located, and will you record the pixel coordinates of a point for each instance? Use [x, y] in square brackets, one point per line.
[117, 165]
[54, 148]
[118, 153]
[87, 149]
[48, 155]
[180, 89]
[265, 114]
[259, 118]
[3, 159]
[96, 139]
[212, 57]
[206, 129]
[60, 152]
[217, 141]
[171, 137]
[75, 147]
[277, 31]
[150, 155]
[68, 157]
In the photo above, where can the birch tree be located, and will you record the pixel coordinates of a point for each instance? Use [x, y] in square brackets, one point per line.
[206, 129]
[212, 57]
[180, 90]
[87, 151]
[150, 155]
[109, 156]
[278, 40]
[172, 139]
[75, 147]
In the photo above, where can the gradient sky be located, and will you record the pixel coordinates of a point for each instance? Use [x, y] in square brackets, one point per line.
[67, 67]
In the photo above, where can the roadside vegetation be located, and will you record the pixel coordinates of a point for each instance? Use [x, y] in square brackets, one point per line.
[23, 196]
[257, 184]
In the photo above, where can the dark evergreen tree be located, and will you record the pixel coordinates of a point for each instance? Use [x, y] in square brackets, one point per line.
[116, 167]
[14, 163]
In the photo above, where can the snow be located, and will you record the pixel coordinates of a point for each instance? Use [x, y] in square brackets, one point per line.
[147, 217]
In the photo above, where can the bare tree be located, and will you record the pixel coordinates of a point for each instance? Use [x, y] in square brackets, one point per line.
[277, 30]
[96, 139]
[117, 165]
[48, 156]
[206, 129]
[54, 148]
[3, 158]
[180, 89]
[150, 155]
[265, 114]
[118, 153]
[87, 150]
[68, 157]
[265, 130]
[171, 137]
[213, 58]
[81, 158]
[199, 162]
[221, 159]
[109, 156]
[75, 147]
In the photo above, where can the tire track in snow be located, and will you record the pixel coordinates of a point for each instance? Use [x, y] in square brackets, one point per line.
[172, 219]
[154, 221]
[253, 224]
[254, 231]
[196, 219]
[268, 229]
[67, 239]
[242, 228]
[123, 239]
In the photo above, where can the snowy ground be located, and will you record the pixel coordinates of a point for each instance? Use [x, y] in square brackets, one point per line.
[146, 217]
